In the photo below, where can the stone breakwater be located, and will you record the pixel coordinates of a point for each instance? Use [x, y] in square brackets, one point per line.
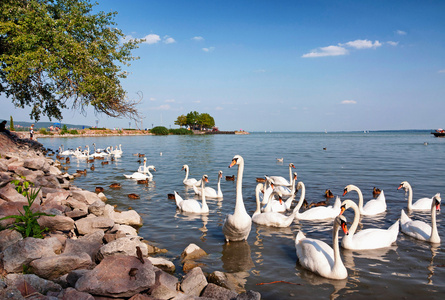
[90, 251]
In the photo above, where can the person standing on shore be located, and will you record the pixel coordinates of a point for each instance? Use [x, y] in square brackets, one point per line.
[31, 131]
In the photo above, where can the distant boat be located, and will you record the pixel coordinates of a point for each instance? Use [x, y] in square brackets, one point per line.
[439, 132]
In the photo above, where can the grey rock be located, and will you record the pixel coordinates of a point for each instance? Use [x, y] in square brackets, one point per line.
[9, 237]
[52, 267]
[56, 222]
[97, 208]
[85, 196]
[90, 243]
[214, 291]
[43, 286]
[74, 275]
[249, 295]
[124, 245]
[92, 224]
[194, 282]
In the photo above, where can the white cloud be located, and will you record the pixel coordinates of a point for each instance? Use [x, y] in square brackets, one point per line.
[209, 49]
[197, 38]
[152, 99]
[161, 107]
[169, 40]
[327, 51]
[349, 102]
[197, 101]
[362, 44]
[219, 108]
[400, 32]
[441, 71]
[152, 39]
[392, 43]
[170, 101]
[260, 71]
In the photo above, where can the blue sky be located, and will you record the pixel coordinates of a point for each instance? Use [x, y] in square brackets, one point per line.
[282, 65]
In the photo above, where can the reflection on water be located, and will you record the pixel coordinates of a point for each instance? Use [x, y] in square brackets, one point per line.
[236, 257]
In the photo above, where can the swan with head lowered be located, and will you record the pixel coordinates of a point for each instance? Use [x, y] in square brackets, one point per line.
[272, 219]
[142, 173]
[192, 205]
[372, 207]
[209, 191]
[419, 229]
[286, 191]
[421, 204]
[370, 238]
[318, 257]
[280, 180]
[316, 213]
[279, 205]
[189, 181]
[237, 226]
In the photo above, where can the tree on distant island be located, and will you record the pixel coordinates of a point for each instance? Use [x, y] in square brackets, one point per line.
[196, 120]
[56, 53]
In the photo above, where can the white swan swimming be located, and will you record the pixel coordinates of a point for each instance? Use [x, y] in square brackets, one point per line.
[370, 238]
[372, 207]
[142, 176]
[237, 227]
[319, 212]
[189, 181]
[209, 191]
[272, 219]
[65, 152]
[280, 180]
[286, 191]
[82, 154]
[279, 205]
[144, 169]
[421, 204]
[266, 191]
[117, 152]
[192, 205]
[318, 257]
[419, 229]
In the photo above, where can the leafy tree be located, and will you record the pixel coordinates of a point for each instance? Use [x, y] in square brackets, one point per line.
[11, 124]
[56, 52]
[181, 121]
[206, 121]
[159, 130]
[192, 118]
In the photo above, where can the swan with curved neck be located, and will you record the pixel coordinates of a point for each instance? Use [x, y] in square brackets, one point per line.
[141, 176]
[279, 205]
[209, 191]
[192, 205]
[237, 226]
[372, 207]
[421, 204]
[419, 229]
[189, 181]
[267, 190]
[286, 191]
[280, 180]
[319, 257]
[370, 238]
[272, 219]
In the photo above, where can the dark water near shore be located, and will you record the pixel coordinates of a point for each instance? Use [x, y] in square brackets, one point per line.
[409, 269]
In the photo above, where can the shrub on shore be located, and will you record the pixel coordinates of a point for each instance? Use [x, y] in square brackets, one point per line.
[181, 131]
[159, 130]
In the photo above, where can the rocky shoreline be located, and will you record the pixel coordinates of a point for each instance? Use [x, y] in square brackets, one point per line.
[90, 251]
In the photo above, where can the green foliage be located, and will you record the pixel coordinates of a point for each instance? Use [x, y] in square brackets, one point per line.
[11, 124]
[53, 52]
[64, 130]
[22, 186]
[196, 120]
[181, 121]
[26, 222]
[181, 131]
[43, 131]
[206, 121]
[73, 131]
[92, 128]
[159, 130]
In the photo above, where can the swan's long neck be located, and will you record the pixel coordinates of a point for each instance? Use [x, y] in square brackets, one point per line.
[337, 259]
[258, 204]
[186, 173]
[290, 174]
[354, 225]
[203, 194]
[239, 205]
[300, 202]
[360, 197]
[410, 196]
[434, 238]
[219, 185]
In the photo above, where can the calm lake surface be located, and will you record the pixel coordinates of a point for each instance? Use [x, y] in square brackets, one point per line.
[409, 269]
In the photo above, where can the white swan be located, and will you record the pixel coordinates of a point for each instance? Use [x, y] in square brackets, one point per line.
[83, 154]
[209, 191]
[278, 205]
[192, 205]
[189, 181]
[319, 257]
[272, 219]
[319, 212]
[421, 204]
[370, 238]
[280, 180]
[237, 226]
[142, 176]
[419, 229]
[117, 152]
[144, 168]
[286, 191]
[267, 190]
[372, 207]
[65, 152]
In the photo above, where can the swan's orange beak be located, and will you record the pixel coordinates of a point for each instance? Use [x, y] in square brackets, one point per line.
[438, 205]
[345, 191]
[233, 163]
[293, 166]
[400, 186]
[206, 180]
[344, 228]
[342, 209]
[154, 169]
[281, 200]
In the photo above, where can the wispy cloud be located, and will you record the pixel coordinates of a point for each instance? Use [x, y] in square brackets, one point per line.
[209, 49]
[219, 108]
[161, 107]
[197, 38]
[170, 101]
[362, 44]
[349, 102]
[152, 39]
[392, 43]
[260, 71]
[197, 101]
[168, 40]
[400, 32]
[327, 51]
[152, 99]
[441, 71]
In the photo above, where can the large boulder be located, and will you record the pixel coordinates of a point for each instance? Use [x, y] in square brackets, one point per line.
[56, 223]
[118, 276]
[41, 285]
[85, 196]
[123, 245]
[9, 237]
[9, 193]
[194, 282]
[92, 224]
[90, 243]
[52, 267]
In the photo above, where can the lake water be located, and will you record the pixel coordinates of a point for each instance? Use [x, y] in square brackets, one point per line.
[409, 269]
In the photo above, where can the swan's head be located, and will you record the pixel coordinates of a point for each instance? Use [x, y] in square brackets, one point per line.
[151, 167]
[403, 185]
[436, 201]
[291, 165]
[220, 174]
[185, 167]
[345, 205]
[295, 175]
[236, 160]
[347, 189]
[279, 195]
[341, 222]
[300, 185]
[269, 181]
[259, 188]
[205, 178]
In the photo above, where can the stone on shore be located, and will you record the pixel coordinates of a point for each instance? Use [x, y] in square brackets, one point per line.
[213, 291]
[123, 245]
[56, 223]
[194, 282]
[192, 252]
[52, 267]
[41, 285]
[9, 237]
[90, 243]
[85, 196]
[92, 224]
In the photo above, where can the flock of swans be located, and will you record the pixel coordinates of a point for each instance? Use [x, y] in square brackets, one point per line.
[86, 153]
[313, 254]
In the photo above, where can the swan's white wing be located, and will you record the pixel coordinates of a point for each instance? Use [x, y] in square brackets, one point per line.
[372, 238]
[422, 204]
[315, 255]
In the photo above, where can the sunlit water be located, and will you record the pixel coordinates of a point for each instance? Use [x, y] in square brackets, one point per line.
[409, 269]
